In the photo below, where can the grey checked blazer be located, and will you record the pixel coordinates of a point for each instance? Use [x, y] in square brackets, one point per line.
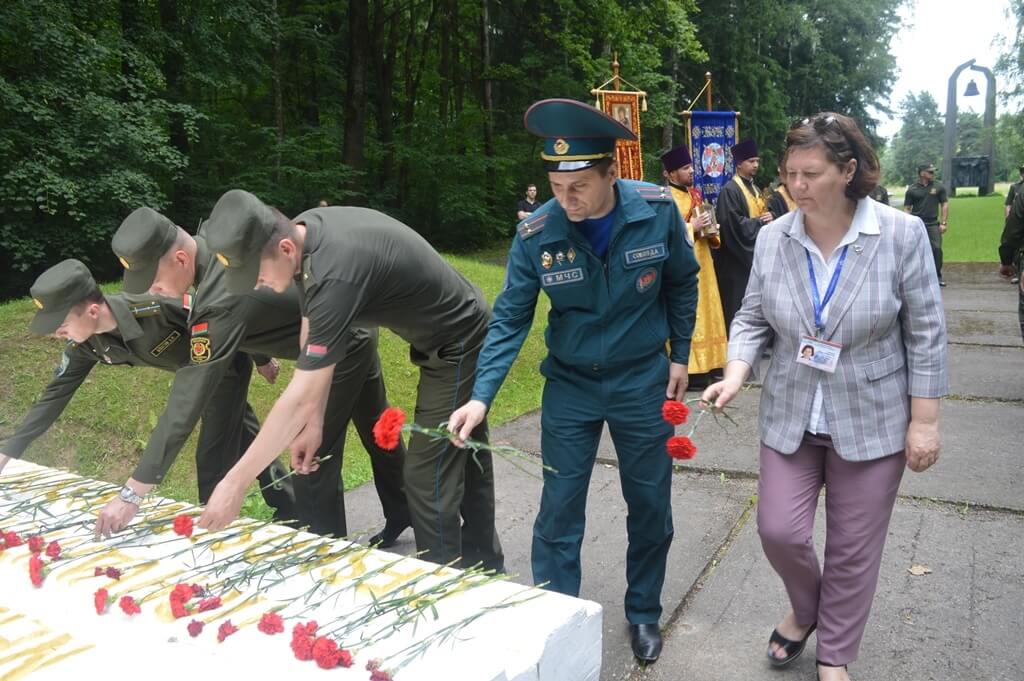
[887, 313]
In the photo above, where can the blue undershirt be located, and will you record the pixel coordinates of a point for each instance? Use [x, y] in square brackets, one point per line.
[599, 231]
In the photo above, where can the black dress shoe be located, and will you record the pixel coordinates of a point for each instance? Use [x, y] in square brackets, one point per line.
[387, 537]
[646, 641]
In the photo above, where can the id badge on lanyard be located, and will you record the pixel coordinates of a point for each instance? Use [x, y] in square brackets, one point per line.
[814, 351]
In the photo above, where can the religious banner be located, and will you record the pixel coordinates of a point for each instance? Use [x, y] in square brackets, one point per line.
[625, 107]
[711, 134]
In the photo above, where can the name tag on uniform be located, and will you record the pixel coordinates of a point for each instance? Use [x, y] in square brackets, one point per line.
[564, 277]
[818, 354]
[645, 254]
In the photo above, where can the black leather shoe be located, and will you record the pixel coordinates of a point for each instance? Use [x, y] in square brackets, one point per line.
[387, 537]
[646, 641]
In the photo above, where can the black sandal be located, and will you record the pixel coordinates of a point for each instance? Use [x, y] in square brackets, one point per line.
[819, 663]
[793, 649]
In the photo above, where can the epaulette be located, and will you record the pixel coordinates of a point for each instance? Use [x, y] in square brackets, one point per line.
[150, 308]
[653, 192]
[531, 226]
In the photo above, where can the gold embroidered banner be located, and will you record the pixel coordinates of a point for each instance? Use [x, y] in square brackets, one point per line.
[625, 108]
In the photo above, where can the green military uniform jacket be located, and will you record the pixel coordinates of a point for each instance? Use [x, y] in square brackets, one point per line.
[362, 267]
[924, 201]
[606, 312]
[262, 323]
[150, 332]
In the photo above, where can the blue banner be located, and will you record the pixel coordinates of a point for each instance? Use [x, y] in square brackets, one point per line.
[712, 133]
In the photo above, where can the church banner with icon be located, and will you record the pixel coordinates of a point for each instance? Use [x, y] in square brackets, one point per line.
[625, 108]
[711, 134]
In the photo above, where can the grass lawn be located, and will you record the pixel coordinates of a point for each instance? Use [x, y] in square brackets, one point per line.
[975, 225]
[105, 427]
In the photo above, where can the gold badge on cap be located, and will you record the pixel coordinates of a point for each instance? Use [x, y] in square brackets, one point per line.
[545, 260]
[561, 147]
[124, 263]
[223, 260]
[39, 303]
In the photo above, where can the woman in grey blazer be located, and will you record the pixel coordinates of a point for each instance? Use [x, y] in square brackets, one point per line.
[854, 281]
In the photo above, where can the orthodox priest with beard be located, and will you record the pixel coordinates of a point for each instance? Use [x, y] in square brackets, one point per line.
[708, 346]
[741, 213]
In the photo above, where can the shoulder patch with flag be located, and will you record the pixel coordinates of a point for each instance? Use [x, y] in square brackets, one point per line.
[186, 301]
[316, 351]
[200, 329]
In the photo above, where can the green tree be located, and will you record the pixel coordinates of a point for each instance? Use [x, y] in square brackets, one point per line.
[919, 139]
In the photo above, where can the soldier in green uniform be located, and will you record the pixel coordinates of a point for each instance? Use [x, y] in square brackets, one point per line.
[360, 267]
[926, 199]
[118, 329]
[1011, 252]
[613, 257]
[160, 256]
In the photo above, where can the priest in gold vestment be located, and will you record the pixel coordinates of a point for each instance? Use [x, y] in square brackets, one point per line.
[708, 352]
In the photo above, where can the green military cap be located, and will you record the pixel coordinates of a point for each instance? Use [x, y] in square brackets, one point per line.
[56, 291]
[139, 243]
[577, 136]
[926, 167]
[240, 225]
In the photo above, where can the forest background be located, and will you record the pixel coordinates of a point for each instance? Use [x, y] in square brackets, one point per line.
[412, 107]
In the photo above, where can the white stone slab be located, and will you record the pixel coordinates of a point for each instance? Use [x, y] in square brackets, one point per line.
[54, 633]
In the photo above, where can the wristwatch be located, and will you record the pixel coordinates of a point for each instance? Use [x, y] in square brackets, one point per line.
[128, 495]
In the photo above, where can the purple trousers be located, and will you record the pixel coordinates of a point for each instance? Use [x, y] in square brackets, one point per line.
[859, 498]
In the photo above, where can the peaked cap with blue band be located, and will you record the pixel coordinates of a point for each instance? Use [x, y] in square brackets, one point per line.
[577, 136]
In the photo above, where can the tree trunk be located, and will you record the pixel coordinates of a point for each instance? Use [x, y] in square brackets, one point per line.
[385, 64]
[353, 153]
[485, 51]
[278, 97]
[414, 63]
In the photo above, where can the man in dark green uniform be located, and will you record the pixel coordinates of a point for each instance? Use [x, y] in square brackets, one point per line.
[356, 266]
[1011, 252]
[1012, 192]
[926, 198]
[117, 329]
[160, 256]
[613, 258]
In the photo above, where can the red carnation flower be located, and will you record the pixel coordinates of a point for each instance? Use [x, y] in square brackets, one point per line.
[372, 665]
[344, 658]
[112, 573]
[195, 627]
[12, 539]
[675, 412]
[101, 599]
[209, 604]
[129, 606]
[307, 629]
[302, 648]
[681, 447]
[197, 590]
[97, 572]
[182, 592]
[36, 570]
[380, 675]
[183, 525]
[53, 550]
[271, 623]
[387, 432]
[325, 653]
[225, 630]
[36, 543]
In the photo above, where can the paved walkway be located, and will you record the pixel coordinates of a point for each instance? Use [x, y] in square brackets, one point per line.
[964, 519]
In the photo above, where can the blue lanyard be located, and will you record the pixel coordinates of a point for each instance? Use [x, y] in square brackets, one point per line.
[819, 304]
